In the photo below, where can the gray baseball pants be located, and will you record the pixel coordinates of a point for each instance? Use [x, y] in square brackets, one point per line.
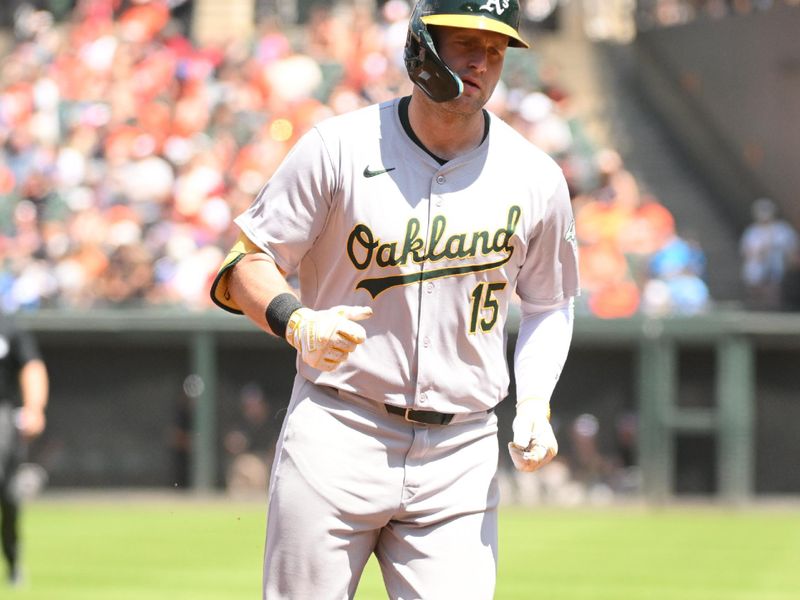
[350, 479]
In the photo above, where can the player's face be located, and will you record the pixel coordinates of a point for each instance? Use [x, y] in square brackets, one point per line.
[477, 58]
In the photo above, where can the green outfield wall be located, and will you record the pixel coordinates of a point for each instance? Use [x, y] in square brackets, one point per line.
[716, 398]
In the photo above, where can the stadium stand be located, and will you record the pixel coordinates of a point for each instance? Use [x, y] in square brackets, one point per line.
[127, 149]
[668, 13]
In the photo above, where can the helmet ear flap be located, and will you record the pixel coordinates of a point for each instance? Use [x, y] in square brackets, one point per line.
[424, 66]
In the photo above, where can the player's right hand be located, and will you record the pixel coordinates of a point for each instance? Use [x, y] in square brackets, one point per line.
[325, 338]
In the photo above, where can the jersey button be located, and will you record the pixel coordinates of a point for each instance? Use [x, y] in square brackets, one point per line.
[429, 287]
[441, 179]
[423, 398]
[426, 342]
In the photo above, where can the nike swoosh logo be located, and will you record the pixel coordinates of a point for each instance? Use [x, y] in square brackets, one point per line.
[369, 173]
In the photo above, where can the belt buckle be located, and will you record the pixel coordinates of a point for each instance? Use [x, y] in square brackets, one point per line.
[409, 419]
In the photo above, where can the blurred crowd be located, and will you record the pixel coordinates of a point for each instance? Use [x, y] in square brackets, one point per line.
[632, 257]
[126, 150]
[666, 13]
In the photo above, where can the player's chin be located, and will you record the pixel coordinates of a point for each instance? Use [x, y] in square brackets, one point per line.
[468, 103]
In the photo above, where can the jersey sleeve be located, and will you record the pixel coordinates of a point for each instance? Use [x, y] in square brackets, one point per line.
[550, 271]
[542, 348]
[23, 347]
[290, 211]
[220, 293]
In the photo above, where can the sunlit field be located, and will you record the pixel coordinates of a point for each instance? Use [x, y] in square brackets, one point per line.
[184, 548]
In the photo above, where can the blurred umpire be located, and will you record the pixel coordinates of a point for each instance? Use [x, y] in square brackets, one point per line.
[23, 396]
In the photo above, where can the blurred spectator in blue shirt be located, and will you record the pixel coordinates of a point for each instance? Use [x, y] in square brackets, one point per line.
[677, 256]
[767, 247]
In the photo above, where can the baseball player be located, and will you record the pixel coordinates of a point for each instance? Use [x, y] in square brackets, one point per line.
[23, 373]
[410, 225]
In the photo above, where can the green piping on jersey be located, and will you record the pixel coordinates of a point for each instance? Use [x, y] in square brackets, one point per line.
[220, 294]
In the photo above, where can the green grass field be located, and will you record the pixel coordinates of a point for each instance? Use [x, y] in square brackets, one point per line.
[202, 550]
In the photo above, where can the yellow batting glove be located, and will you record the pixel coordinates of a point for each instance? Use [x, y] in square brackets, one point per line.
[534, 442]
[325, 338]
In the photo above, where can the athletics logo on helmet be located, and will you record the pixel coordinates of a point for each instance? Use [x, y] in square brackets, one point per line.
[423, 64]
[496, 6]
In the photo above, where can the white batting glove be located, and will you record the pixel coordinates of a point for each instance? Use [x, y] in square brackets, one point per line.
[325, 338]
[534, 442]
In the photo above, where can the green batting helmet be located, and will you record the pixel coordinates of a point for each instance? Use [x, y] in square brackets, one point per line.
[423, 64]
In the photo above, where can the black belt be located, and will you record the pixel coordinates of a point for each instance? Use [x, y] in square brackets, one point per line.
[427, 417]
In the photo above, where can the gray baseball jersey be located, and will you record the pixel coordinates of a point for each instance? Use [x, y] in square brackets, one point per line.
[367, 217]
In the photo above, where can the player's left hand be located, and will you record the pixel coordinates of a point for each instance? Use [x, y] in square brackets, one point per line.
[534, 442]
